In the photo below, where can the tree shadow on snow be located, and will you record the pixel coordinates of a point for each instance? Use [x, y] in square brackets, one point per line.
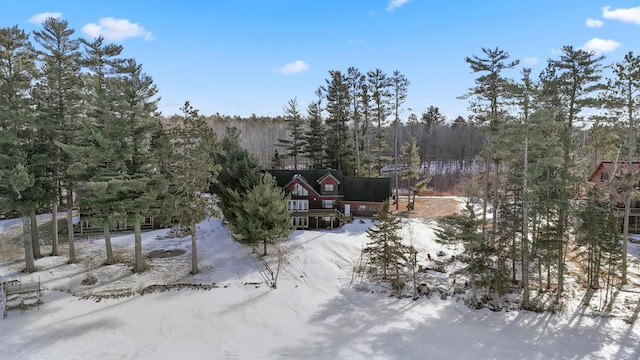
[363, 325]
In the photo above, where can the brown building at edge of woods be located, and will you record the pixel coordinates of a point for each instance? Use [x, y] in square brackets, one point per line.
[608, 171]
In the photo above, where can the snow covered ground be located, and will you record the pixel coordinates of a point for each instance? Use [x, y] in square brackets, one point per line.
[319, 310]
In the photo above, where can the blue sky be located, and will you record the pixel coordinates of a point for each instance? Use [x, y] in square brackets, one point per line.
[238, 57]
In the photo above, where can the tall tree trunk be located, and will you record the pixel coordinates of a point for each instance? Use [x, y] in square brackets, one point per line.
[485, 199]
[137, 233]
[395, 159]
[194, 250]
[494, 217]
[35, 239]
[264, 244]
[628, 194]
[72, 245]
[30, 265]
[525, 227]
[107, 243]
[356, 123]
[54, 228]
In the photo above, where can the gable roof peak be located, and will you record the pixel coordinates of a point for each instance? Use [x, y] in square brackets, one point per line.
[328, 174]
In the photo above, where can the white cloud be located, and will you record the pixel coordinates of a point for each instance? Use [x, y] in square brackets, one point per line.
[396, 4]
[40, 18]
[600, 45]
[593, 23]
[631, 15]
[294, 67]
[116, 29]
[530, 60]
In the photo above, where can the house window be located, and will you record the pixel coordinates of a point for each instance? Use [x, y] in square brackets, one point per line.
[300, 222]
[604, 176]
[328, 204]
[362, 207]
[298, 205]
[373, 208]
[328, 187]
[299, 190]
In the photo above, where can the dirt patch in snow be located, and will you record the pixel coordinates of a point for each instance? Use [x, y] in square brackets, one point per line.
[428, 207]
[165, 253]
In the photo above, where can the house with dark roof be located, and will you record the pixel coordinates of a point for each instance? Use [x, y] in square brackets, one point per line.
[608, 171]
[322, 199]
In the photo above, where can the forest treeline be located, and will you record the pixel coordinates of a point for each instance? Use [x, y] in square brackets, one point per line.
[447, 149]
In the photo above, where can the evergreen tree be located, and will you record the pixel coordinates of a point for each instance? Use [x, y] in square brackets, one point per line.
[578, 79]
[431, 119]
[622, 100]
[385, 250]
[463, 228]
[296, 125]
[399, 86]
[356, 81]
[411, 158]
[365, 128]
[101, 159]
[58, 102]
[139, 114]
[276, 162]
[339, 148]
[379, 85]
[315, 142]
[525, 94]
[190, 175]
[488, 95]
[263, 217]
[21, 169]
[239, 173]
[598, 234]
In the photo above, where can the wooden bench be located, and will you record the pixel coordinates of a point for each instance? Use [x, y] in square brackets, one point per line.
[18, 294]
[22, 288]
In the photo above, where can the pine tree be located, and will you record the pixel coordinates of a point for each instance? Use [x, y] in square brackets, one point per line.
[315, 142]
[139, 114]
[101, 160]
[598, 234]
[385, 250]
[578, 79]
[339, 148]
[431, 119]
[463, 228]
[190, 175]
[622, 100]
[239, 173]
[23, 176]
[58, 101]
[356, 81]
[263, 217]
[295, 125]
[488, 95]
[276, 161]
[399, 87]
[379, 85]
[411, 158]
[525, 94]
